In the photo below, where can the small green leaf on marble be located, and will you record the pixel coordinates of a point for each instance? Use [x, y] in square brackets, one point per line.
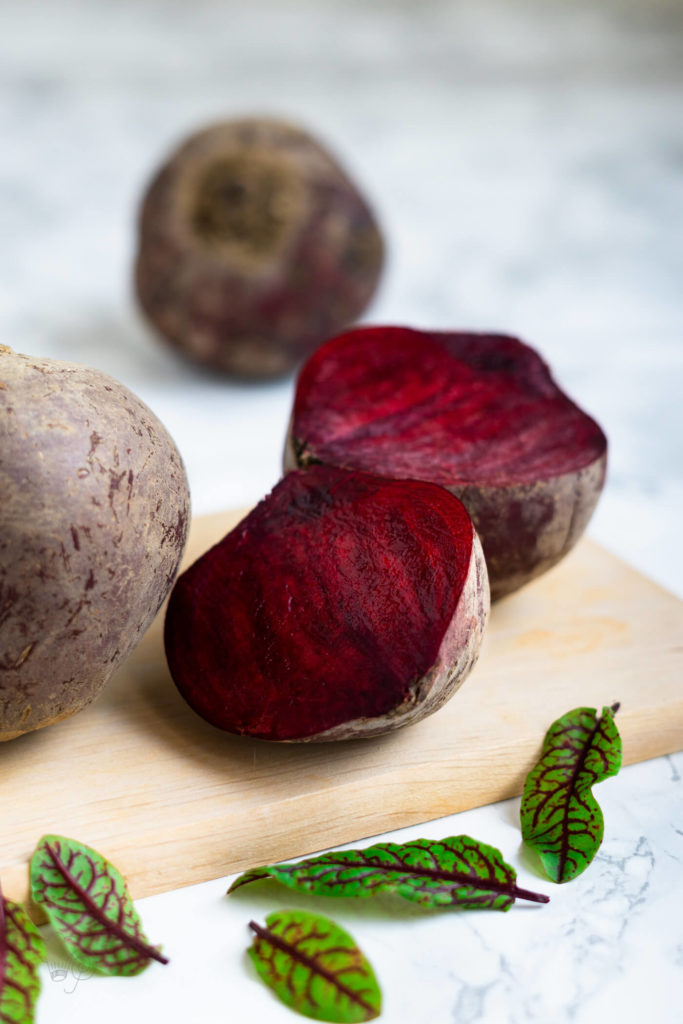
[315, 967]
[22, 950]
[561, 818]
[88, 904]
[457, 871]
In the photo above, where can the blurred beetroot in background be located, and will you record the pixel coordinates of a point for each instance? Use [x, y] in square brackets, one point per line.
[254, 247]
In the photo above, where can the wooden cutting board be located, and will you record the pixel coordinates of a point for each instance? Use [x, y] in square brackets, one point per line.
[173, 801]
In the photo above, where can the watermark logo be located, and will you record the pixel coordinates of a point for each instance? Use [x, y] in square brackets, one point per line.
[67, 975]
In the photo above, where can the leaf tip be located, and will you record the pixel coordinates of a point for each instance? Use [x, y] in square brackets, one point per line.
[252, 875]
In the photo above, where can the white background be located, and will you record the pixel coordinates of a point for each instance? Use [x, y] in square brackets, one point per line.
[526, 161]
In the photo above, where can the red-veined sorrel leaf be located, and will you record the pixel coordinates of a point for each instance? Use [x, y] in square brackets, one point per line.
[88, 905]
[435, 873]
[560, 816]
[315, 967]
[21, 952]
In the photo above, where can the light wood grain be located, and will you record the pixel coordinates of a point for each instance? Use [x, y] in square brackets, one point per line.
[173, 801]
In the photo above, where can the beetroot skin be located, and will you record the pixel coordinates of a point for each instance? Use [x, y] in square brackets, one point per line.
[254, 247]
[343, 605]
[477, 413]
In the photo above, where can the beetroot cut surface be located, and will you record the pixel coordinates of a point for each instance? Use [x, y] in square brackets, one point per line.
[343, 605]
[479, 414]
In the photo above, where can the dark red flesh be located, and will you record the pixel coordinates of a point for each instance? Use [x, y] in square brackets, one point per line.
[325, 605]
[451, 408]
[479, 414]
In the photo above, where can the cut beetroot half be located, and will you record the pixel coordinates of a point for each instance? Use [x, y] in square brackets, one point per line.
[343, 605]
[479, 414]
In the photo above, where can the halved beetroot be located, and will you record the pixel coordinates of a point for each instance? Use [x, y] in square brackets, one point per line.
[343, 605]
[479, 414]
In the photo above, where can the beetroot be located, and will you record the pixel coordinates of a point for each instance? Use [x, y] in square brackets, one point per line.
[477, 413]
[254, 247]
[343, 605]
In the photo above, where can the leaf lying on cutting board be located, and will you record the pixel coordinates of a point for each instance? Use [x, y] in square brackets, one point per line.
[88, 904]
[22, 950]
[315, 967]
[435, 873]
[561, 819]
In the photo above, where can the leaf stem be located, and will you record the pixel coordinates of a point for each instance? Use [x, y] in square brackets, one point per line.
[285, 947]
[143, 948]
[527, 894]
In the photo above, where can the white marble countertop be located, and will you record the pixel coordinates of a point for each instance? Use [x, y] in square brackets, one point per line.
[526, 160]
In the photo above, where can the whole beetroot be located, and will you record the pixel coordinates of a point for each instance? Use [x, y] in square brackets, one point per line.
[479, 414]
[343, 605]
[93, 519]
[254, 246]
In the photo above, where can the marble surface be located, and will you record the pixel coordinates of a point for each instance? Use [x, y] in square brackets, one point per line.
[526, 160]
[607, 948]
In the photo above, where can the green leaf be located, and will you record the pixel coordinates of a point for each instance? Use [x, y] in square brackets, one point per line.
[21, 952]
[561, 819]
[88, 905]
[435, 873]
[315, 967]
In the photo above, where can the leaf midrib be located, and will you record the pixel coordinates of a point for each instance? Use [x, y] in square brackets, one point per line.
[440, 874]
[571, 789]
[131, 941]
[285, 947]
